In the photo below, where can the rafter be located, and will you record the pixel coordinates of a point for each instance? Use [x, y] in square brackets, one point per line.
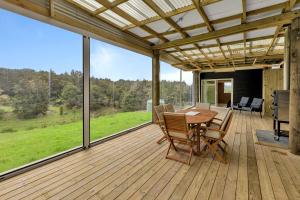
[262, 23]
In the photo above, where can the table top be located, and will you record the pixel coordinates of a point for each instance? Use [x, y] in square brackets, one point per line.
[204, 116]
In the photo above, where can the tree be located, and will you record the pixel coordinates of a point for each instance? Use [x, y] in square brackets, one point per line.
[30, 98]
[72, 96]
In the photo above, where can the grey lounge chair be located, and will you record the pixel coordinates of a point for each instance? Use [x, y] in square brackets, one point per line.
[255, 106]
[243, 103]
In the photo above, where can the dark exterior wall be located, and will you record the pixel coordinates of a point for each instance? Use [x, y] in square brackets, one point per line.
[245, 82]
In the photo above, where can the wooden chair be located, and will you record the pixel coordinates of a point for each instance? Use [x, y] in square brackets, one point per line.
[159, 113]
[212, 138]
[169, 108]
[205, 106]
[178, 132]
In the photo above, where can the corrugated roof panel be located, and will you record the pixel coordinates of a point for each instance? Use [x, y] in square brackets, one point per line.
[237, 46]
[174, 36]
[163, 5]
[91, 5]
[224, 8]
[261, 32]
[186, 46]
[155, 40]
[197, 31]
[160, 26]
[115, 18]
[271, 13]
[279, 47]
[227, 24]
[231, 38]
[171, 49]
[261, 42]
[205, 50]
[218, 55]
[139, 32]
[257, 4]
[214, 49]
[188, 52]
[196, 51]
[280, 40]
[189, 18]
[224, 47]
[207, 42]
[137, 9]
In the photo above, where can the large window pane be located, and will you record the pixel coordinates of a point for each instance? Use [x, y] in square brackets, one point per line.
[175, 86]
[40, 90]
[120, 89]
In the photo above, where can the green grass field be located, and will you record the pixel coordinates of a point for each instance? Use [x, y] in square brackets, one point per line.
[30, 140]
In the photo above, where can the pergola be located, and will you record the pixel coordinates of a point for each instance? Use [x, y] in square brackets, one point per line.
[193, 35]
[189, 34]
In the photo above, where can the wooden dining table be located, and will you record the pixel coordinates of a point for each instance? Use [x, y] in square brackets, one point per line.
[203, 117]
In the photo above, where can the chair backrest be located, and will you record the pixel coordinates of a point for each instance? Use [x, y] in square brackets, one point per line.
[244, 101]
[257, 103]
[175, 122]
[159, 113]
[205, 106]
[169, 108]
[227, 121]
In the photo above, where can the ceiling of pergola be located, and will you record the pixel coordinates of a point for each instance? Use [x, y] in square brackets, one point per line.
[209, 34]
[162, 21]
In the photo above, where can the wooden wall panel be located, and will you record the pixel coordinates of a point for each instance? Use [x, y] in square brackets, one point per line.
[273, 80]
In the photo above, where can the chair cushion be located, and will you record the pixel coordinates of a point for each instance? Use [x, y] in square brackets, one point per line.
[212, 134]
[179, 135]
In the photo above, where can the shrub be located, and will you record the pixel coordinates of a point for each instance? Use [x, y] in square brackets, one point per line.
[2, 114]
[30, 99]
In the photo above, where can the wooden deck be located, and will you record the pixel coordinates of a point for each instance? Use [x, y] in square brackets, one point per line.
[134, 167]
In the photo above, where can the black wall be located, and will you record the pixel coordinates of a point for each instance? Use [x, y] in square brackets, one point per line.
[246, 82]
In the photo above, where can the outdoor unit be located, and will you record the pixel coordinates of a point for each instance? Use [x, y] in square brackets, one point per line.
[281, 101]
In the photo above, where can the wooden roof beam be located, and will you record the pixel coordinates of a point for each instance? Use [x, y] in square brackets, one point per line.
[258, 24]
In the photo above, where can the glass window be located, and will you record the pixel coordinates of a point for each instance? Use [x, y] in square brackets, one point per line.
[175, 86]
[120, 91]
[40, 90]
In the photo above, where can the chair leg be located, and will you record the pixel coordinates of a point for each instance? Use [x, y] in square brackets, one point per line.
[161, 140]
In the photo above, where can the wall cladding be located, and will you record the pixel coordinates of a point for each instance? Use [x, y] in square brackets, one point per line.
[246, 82]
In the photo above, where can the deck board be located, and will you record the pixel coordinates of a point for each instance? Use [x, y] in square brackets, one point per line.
[133, 166]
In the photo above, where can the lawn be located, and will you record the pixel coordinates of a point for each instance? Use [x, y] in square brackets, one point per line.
[37, 141]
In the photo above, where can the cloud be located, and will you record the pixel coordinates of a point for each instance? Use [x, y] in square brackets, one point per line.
[102, 60]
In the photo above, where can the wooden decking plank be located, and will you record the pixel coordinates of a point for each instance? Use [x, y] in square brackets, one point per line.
[208, 182]
[155, 179]
[242, 181]
[278, 188]
[254, 190]
[156, 173]
[293, 172]
[219, 185]
[101, 173]
[232, 176]
[168, 190]
[137, 171]
[99, 183]
[161, 184]
[264, 178]
[141, 176]
[182, 187]
[133, 167]
[194, 187]
[29, 177]
[48, 180]
[288, 184]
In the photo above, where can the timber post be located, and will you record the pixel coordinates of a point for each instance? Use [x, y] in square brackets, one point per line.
[155, 81]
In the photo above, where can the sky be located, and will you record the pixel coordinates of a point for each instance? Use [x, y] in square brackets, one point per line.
[27, 43]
